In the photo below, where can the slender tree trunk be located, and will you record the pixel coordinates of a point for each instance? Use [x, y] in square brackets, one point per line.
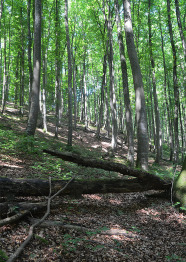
[128, 111]
[152, 113]
[34, 108]
[107, 113]
[112, 86]
[69, 77]
[82, 115]
[103, 84]
[1, 12]
[17, 80]
[22, 73]
[165, 94]
[142, 133]
[176, 89]
[85, 95]
[57, 67]
[75, 92]
[158, 139]
[29, 51]
[44, 91]
[4, 79]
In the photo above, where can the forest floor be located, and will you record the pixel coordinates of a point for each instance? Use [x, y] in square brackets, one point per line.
[155, 231]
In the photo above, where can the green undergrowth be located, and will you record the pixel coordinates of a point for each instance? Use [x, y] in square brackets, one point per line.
[14, 142]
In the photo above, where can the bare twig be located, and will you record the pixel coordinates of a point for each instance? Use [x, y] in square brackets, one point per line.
[16, 254]
[14, 218]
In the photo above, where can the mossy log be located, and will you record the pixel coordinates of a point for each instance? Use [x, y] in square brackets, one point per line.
[37, 187]
[179, 189]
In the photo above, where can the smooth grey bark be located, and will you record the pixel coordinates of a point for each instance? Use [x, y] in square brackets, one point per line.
[170, 133]
[69, 77]
[111, 78]
[103, 84]
[107, 113]
[85, 95]
[17, 80]
[158, 137]
[82, 114]
[44, 112]
[22, 74]
[34, 108]
[176, 88]
[128, 111]
[1, 12]
[29, 50]
[4, 79]
[57, 67]
[74, 91]
[141, 117]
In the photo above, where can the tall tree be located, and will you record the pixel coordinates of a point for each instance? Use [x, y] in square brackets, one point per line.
[141, 117]
[34, 108]
[170, 133]
[175, 83]
[103, 84]
[29, 50]
[111, 79]
[128, 111]
[57, 66]
[69, 77]
[156, 106]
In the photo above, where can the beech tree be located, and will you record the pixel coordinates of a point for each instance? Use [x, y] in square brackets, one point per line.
[142, 135]
[69, 77]
[34, 108]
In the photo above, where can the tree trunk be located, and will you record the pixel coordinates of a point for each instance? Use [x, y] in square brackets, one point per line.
[57, 66]
[85, 93]
[170, 133]
[22, 73]
[156, 107]
[29, 51]
[4, 79]
[179, 189]
[34, 108]
[142, 134]
[74, 90]
[103, 84]
[69, 77]
[143, 176]
[128, 111]
[112, 84]
[180, 27]
[35, 187]
[176, 89]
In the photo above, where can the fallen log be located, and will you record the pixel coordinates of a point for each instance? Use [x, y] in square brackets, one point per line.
[143, 176]
[37, 187]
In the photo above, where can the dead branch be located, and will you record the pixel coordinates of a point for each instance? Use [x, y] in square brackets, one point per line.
[10, 208]
[14, 218]
[16, 254]
[110, 232]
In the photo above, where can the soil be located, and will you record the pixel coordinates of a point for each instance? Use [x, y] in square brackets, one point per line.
[155, 231]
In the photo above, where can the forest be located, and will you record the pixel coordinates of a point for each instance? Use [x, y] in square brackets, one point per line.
[92, 130]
